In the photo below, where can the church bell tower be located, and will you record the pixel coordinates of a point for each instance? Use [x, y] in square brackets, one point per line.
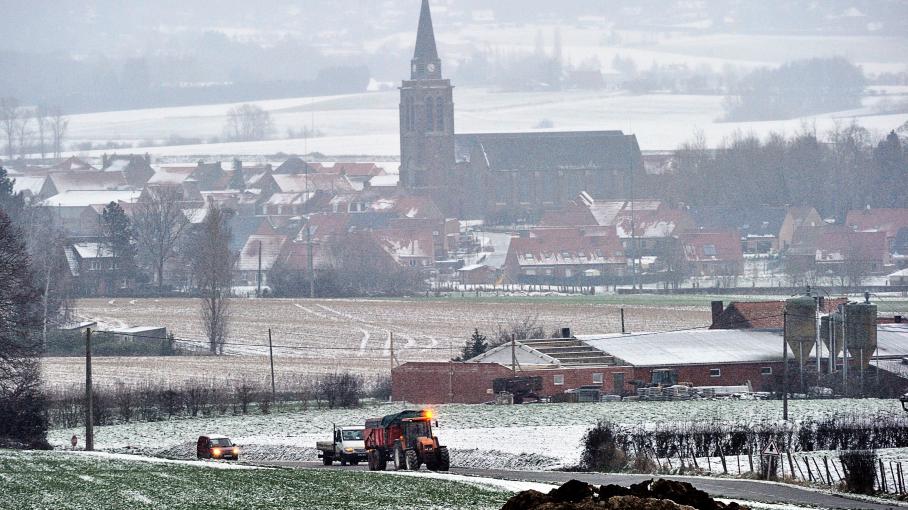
[427, 120]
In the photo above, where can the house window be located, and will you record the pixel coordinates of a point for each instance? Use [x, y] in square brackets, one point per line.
[558, 380]
[529, 272]
[715, 372]
[548, 271]
[94, 265]
[597, 378]
[566, 255]
[528, 256]
[766, 371]
[568, 273]
[709, 250]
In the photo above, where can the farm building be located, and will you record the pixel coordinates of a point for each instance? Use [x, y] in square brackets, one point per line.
[616, 363]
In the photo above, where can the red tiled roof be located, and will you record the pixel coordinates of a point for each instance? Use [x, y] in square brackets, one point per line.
[762, 314]
[884, 220]
[839, 244]
[550, 246]
[711, 246]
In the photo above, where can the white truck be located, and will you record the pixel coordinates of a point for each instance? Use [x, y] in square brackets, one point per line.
[346, 447]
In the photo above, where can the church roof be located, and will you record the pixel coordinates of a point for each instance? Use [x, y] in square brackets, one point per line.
[577, 150]
[425, 36]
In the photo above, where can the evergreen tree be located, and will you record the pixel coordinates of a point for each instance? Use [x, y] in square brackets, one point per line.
[117, 236]
[477, 345]
[11, 203]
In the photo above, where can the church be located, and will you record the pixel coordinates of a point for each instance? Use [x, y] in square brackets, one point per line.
[500, 177]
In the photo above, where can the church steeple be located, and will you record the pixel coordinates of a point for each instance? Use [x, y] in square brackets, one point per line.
[425, 64]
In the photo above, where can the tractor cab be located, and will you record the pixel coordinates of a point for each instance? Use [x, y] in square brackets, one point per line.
[415, 430]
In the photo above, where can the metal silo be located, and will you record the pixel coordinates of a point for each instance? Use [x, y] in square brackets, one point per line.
[860, 331]
[800, 326]
[832, 331]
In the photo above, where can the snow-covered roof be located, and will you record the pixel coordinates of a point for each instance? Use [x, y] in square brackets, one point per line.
[195, 216]
[29, 184]
[136, 330]
[270, 246]
[901, 272]
[695, 347]
[384, 181]
[171, 175]
[85, 198]
[92, 250]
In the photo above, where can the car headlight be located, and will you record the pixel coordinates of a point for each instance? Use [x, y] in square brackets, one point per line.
[216, 452]
[348, 450]
[236, 451]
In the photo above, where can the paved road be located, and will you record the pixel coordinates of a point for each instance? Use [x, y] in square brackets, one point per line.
[726, 488]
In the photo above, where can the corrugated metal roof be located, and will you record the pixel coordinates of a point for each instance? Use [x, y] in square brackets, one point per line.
[690, 347]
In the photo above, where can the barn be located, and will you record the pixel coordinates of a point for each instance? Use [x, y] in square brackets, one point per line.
[617, 363]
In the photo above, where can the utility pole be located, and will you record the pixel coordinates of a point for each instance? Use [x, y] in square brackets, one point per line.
[785, 366]
[271, 357]
[513, 355]
[309, 258]
[845, 351]
[391, 334]
[258, 277]
[89, 398]
[622, 322]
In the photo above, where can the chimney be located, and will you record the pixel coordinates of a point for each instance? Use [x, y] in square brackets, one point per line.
[821, 302]
[147, 158]
[566, 333]
[103, 161]
[717, 309]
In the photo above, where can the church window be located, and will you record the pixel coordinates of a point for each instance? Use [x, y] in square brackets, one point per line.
[411, 123]
[439, 114]
[430, 114]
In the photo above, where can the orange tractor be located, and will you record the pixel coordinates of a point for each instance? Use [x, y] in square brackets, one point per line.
[406, 439]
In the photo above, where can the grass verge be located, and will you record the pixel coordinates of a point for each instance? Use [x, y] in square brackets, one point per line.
[63, 481]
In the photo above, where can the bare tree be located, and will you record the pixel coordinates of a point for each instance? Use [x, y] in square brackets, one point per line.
[159, 223]
[58, 127]
[212, 267]
[42, 125]
[9, 123]
[24, 131]
[248, 122]
[46, 243]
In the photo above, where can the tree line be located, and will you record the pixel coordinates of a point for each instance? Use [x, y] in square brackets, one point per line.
[848, 170]
[32, 130]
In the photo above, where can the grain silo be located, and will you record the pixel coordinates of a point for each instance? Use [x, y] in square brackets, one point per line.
[860, 331]
[832, 331]
[800, 326]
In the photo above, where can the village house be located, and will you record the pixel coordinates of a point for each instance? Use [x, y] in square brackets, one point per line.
[135, 169]
[888, 221]
[648, 227]
[712, 253]
[840, 250]
[566, 256]
[78, 213]
[95, 271]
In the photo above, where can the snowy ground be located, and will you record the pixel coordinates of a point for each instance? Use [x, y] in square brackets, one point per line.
[367, 123]
[531, 437]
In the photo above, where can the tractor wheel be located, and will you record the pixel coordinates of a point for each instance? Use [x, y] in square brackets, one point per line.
[354, 461]
[412, 460]
[381, 463]
[444, 459]
[370, 459]
[399, 460]
[326, 460]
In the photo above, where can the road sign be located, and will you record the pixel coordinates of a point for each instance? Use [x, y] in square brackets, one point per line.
[771, 449]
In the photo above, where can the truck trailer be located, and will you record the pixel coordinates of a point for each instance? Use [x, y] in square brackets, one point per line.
[405, 439]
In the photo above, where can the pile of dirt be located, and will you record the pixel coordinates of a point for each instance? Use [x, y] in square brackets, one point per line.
[648, 495]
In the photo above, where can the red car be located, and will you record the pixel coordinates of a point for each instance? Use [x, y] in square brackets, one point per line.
[216, 447]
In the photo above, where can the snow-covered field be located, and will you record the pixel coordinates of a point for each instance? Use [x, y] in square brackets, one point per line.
[360, 329]
[367, 123]
[545, 436]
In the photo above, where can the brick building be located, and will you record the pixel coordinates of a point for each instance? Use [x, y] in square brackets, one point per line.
[616, 363]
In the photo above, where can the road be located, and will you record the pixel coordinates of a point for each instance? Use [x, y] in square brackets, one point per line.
[726, 488]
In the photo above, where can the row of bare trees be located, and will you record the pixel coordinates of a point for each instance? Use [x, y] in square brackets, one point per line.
[40, 129]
